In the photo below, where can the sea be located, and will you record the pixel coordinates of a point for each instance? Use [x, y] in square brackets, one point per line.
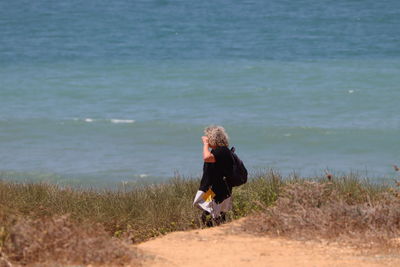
[103, 93]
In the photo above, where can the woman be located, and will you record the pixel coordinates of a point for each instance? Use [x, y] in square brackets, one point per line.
[214, 195]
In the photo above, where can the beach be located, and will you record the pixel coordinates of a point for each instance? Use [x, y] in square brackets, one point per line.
[103, 105]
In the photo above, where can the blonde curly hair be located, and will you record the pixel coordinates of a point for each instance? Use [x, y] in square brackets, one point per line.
[217, 135]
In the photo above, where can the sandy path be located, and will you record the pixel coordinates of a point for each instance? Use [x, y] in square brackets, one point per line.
[228, 246]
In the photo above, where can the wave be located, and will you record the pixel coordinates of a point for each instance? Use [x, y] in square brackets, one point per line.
[90, 120]
[122, 121]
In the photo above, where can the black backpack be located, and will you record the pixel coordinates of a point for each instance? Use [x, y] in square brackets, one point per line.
[239, 172]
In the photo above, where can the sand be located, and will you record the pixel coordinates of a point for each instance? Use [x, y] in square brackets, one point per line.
[229, 245]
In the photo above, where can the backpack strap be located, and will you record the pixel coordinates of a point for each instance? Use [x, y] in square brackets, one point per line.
[232, 150]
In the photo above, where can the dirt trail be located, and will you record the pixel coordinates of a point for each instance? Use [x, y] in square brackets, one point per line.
[228, 246]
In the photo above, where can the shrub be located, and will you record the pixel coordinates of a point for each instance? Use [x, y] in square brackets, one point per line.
[61, 240]
[310, 209]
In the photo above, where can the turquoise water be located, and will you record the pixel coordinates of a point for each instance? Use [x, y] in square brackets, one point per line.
[99, 92]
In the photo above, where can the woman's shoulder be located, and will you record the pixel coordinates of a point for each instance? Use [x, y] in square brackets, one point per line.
[221, 151]
[221, 148]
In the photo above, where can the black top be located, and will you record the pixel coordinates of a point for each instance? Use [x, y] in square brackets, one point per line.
[213, 174]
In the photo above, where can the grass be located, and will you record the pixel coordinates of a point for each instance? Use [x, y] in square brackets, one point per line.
[44, 222]
[345, 209]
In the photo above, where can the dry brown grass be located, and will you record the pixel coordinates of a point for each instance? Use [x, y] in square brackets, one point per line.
[62, 241]
[360, 214]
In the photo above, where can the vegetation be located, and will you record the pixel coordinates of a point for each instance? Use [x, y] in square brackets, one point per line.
[346, 210]
[48, 223]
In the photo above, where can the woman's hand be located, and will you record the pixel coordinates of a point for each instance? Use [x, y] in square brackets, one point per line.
[205, 140]
[207, 155]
